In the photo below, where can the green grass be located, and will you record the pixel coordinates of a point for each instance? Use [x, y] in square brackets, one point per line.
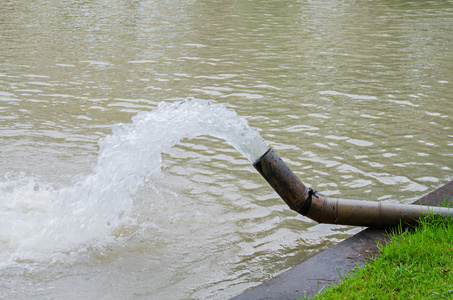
[416, 264]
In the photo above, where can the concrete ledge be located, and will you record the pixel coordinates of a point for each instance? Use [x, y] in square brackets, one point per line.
[325, 268]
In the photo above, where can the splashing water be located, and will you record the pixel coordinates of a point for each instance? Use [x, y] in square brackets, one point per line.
[39, 222]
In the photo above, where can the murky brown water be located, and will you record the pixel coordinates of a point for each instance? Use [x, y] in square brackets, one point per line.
[354, 95]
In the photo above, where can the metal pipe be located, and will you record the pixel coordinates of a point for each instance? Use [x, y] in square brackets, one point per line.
[337, 211]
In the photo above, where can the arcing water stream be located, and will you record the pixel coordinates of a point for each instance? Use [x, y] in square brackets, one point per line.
[42, 225]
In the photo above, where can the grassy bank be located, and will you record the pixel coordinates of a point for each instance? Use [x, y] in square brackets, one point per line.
[416, 264]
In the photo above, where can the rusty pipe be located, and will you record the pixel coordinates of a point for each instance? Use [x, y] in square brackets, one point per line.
[337, 211]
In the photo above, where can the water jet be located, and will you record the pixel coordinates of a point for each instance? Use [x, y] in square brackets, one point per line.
[309, 203]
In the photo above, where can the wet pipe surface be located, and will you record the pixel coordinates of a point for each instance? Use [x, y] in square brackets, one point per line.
[283, 181]
[332, 210]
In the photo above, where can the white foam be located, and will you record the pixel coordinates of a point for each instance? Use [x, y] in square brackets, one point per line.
[42, 223]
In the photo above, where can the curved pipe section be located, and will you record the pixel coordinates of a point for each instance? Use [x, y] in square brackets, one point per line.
[337, 211]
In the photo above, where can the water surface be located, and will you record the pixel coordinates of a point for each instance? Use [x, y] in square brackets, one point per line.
[354, 95]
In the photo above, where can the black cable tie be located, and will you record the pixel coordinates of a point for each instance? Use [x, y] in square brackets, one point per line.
[307, 204]
[313, 192]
